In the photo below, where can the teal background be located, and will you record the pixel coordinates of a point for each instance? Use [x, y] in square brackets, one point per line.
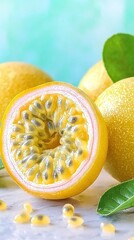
[63, 37]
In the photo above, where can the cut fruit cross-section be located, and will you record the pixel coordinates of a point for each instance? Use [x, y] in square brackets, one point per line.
[54, 140]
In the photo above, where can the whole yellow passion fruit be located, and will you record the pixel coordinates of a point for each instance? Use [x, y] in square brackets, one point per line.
[95, 81]
[117, 107]
[16, 77]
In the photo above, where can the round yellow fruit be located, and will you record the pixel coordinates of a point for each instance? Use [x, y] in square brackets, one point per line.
[95, 81]
[16, 77]
[117, 107]
[54, 140]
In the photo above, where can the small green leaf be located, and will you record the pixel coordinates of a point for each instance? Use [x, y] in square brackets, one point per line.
[118, 56]
[117, 198]
[1, 164]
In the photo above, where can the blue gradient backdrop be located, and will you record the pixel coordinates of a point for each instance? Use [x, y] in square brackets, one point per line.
[63, 37]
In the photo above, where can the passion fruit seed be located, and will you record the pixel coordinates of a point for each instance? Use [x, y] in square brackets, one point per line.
[75, 221]
[33, 141]
[107, 228]
[26, 115]
[3, 205]
[23, 217]
[38, 178]
[40, 220]
[28, 207]
[68, 210]
[31, 172]
[38, 104]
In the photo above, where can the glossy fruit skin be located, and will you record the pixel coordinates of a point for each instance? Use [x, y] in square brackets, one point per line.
[16, 77]
[117, 107]
[95, 81]
[99, 158]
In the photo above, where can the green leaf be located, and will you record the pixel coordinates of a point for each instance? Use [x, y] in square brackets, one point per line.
[1, 164]
[118, 56]
[117, 199]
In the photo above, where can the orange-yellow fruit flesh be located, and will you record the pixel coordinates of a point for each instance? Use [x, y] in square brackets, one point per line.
[16, 77]
[107, 228]
[117, 107]
[47, 124]
[28, 207]
[89, 175]
[40, 220]
[3, 205]
[95, 81]
[68, 210]
[22, 218]
[75, 221]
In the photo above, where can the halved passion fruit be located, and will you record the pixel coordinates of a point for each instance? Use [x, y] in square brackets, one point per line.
[54, 141]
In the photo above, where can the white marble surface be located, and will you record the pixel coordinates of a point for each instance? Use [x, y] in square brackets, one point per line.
[85, 205]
